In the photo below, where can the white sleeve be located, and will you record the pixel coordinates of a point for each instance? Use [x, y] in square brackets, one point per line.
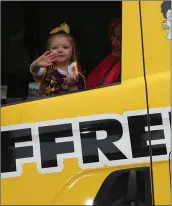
[39, 73]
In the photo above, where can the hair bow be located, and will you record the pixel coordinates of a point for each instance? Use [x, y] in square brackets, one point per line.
[63, 27]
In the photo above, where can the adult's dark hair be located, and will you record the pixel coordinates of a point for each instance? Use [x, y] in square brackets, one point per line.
[114, 23]
[165, 6]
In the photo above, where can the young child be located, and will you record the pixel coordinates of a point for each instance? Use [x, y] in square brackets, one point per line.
[57, 69]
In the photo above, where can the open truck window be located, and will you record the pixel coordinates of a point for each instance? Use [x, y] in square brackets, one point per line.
[110, 145]
[97, 35]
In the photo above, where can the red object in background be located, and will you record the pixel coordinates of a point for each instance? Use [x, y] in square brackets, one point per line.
[108, 71]
[98, 73]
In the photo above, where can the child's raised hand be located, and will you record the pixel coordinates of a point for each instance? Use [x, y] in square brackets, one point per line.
[45, 59]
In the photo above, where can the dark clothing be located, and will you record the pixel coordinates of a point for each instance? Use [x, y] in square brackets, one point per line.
[54, 82]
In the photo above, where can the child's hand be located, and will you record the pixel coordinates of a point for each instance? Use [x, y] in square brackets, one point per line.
[71, 82]
[45, 60]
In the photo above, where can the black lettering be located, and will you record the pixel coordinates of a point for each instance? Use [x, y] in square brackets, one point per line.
[170, 117]
[49, 149]
[90, 144]
[8, 150]
[139, 136]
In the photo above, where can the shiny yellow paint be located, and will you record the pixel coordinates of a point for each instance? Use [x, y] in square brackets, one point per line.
[157, 60]
[74, 186]
[157, 55]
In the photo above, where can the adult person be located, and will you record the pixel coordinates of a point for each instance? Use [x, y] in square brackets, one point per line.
[109, 70]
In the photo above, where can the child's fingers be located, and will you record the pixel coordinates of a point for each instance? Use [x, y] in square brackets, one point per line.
[49, 64]
[51, 54]
[46, 53]
[48, 61]
[75, 75]
[70, 76]
[52, 58]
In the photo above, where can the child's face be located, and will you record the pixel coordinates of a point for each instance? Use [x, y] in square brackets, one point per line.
[62, 46]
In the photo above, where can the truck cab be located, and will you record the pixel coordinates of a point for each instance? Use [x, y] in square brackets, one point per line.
[109, 145]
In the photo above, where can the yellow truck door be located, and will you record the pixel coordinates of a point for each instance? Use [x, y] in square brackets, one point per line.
[157, 67]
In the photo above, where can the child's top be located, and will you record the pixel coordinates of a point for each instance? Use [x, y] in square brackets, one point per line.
[53, 81]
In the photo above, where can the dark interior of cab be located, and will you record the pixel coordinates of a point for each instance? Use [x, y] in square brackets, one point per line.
[89, 23]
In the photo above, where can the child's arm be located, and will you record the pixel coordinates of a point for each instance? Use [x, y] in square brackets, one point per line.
[36, 71]
[37, 68]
